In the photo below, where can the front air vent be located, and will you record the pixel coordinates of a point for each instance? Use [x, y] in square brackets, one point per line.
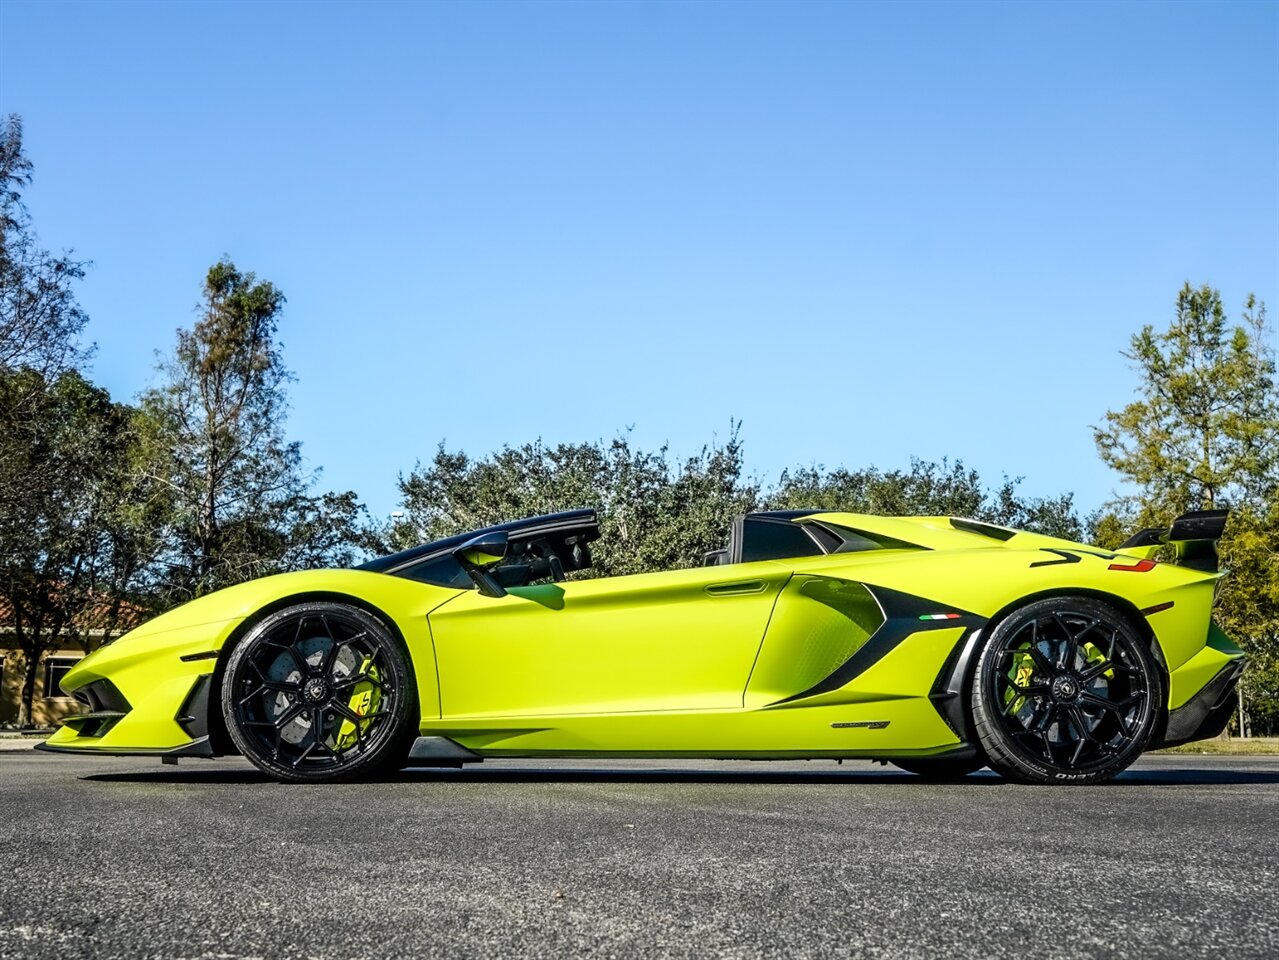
[107, 706]
[103, 696]
[193, 715]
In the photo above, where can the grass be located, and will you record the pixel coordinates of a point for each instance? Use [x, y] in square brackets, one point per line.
[1253, 746]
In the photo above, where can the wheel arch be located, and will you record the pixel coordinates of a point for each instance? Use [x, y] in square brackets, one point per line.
[955, 682]
[1123, 605]
[219, 737]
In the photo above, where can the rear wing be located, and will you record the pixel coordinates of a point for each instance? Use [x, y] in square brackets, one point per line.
[1193, 537]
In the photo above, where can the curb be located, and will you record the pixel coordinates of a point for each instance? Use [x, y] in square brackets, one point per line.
[15, 744]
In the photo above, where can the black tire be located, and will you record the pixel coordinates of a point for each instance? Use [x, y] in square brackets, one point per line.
[940, 769]
[1066, 691]
[319, 692]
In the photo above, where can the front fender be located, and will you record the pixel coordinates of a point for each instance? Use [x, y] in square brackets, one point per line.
[156, 667]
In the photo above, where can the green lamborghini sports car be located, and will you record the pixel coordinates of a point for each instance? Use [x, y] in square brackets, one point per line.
[939, 644]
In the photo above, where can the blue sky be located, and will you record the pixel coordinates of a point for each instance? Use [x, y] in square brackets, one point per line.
[869, 231]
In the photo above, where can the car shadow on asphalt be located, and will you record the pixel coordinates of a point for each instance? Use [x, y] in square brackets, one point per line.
[1188, 776]
[549, 775]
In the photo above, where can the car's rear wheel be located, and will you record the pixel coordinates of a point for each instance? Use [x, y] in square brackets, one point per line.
[318, 692]
[1065, 691]
[940, 769]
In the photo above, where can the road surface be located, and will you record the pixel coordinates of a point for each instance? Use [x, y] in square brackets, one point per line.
[124, 857]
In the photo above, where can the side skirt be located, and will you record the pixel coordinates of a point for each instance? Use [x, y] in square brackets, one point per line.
[439, 751]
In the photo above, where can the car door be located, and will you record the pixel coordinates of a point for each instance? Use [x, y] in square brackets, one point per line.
[676, 640]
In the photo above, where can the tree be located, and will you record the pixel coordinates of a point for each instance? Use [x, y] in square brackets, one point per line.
[663, 515]
[60, 440]
[929, 489]
[1204, 433]
[658, 514]
[1205, 430]
[40, 320]
[63, 451]
[655, 513]
[238, 503]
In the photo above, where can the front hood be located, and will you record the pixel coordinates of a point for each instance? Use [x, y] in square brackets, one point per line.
[229, 603]
[203, 624]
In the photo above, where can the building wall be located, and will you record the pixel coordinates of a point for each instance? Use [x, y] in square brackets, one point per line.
[46, 710]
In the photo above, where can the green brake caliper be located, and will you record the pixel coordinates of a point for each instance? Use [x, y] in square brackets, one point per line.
[1093, 655]
[365, 698]
[1022, 668]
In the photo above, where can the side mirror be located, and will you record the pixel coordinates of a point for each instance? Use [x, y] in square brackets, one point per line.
[477, 555]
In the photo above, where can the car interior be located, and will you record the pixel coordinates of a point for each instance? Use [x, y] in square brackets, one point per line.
[550, 549]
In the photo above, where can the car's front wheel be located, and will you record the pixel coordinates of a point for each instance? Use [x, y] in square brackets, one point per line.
[318, 692]
[1066, 691]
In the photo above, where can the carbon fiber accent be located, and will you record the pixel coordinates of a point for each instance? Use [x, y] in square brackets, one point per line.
[950, 690]
[1206, 714]
[193, 715]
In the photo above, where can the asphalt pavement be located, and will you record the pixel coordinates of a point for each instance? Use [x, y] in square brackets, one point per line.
[127, 858]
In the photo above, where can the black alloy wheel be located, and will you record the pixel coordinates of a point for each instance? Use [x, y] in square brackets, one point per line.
[319, 692]
[940, 769]
[1066, 691]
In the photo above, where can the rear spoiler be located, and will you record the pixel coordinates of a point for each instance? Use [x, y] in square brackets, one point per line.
[1193, 537]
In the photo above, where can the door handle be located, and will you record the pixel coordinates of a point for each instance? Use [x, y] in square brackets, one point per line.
[736, 588]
